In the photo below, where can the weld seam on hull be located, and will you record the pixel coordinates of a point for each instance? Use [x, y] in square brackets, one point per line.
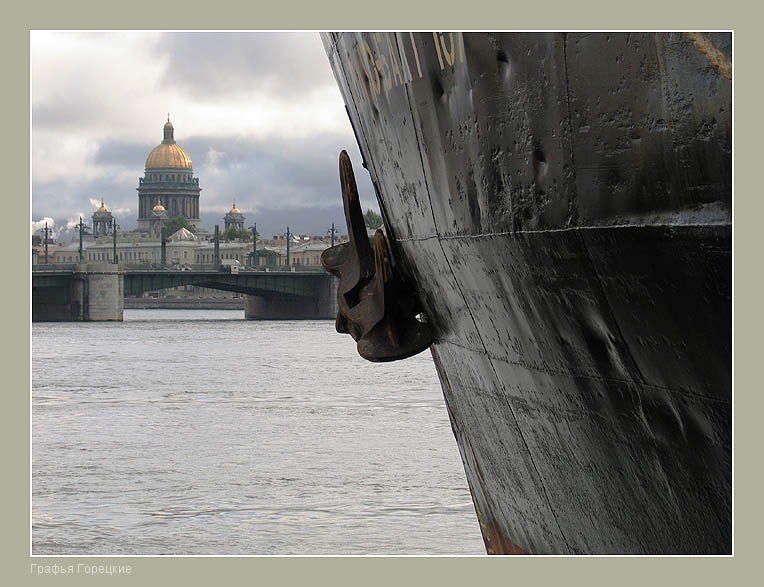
[554, 230]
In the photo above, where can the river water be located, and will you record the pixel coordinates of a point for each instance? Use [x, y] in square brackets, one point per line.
[197, 432]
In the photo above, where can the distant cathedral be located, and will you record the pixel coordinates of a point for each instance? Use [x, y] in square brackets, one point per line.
[168, 185]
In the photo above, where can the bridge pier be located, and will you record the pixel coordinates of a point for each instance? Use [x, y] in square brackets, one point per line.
[106, 292]
[273, 307]
[94, 292]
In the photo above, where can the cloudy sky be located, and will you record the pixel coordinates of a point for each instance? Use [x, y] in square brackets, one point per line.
[259, 114]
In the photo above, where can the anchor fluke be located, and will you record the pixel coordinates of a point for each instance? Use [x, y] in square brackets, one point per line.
[375, 306]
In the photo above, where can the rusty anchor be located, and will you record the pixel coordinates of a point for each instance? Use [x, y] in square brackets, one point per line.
[374, 305]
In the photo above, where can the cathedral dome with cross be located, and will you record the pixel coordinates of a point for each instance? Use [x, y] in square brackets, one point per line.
[102, 221]
[168, 181]
[234, 218]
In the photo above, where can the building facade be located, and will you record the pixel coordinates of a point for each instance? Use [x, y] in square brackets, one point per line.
[168, 181]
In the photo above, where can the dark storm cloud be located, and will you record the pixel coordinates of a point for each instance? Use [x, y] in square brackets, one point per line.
[208, 65]
[128, 154]
[64, 201]
[310, 221]
[52, 199]
[275, 174]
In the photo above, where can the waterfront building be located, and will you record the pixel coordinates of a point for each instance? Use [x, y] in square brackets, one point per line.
[39, 250]
[131, 252]
[168, 180]
[70, 253]
[308, 253]
[240, 251]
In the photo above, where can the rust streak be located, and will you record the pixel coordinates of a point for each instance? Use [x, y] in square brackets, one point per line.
[714, 56]
[495, 543]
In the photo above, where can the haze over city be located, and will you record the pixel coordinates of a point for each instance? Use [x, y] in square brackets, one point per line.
[259, 114]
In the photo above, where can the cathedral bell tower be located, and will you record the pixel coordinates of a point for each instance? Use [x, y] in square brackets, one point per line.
[234, 218]
[102, 221]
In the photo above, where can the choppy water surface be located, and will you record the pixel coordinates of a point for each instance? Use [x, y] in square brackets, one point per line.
[197, 432]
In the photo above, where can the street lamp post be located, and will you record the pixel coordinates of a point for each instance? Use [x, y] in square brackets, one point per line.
[114, 227]
[253, 228]
[164, 247]
[288, 236]
[47, 231]
[81, 225]
[217, 247]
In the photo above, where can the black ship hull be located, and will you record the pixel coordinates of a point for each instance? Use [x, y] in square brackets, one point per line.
[562, 205]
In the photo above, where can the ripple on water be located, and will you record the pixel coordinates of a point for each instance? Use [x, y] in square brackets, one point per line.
[197, 432]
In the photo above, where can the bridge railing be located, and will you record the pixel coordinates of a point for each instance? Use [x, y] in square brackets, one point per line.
[207, 267]
[54, 267]
[211, 268]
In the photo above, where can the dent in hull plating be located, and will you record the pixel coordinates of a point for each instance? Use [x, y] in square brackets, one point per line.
[562, 203]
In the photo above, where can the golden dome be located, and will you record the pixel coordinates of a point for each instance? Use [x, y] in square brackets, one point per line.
[102, 208]
[234, 210]
[168, 154]
[158, 207]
